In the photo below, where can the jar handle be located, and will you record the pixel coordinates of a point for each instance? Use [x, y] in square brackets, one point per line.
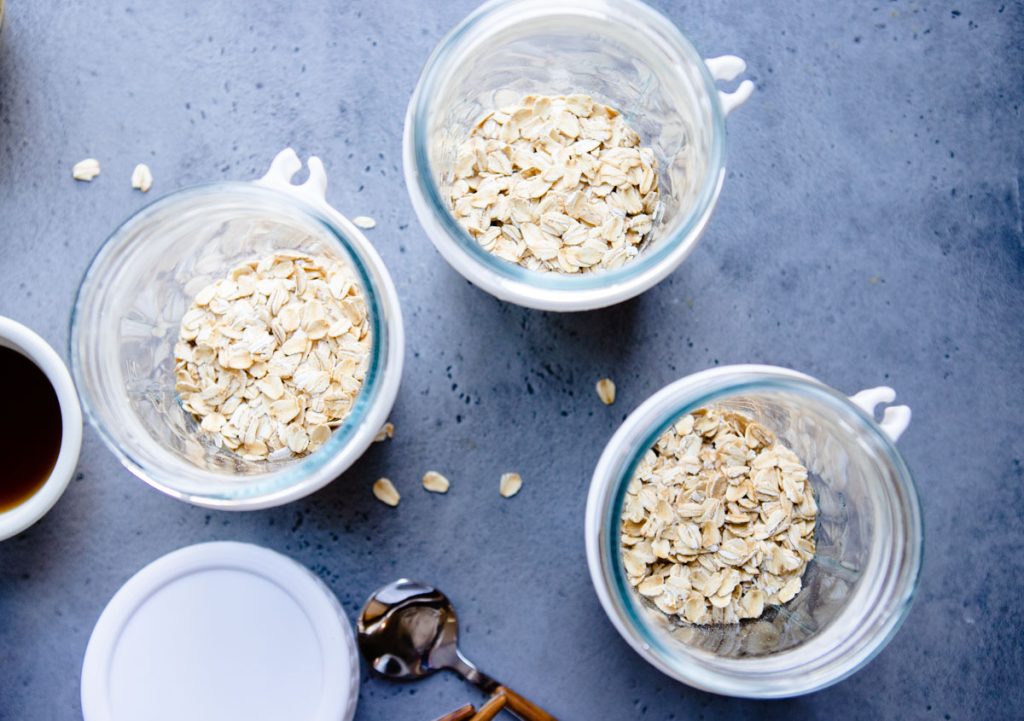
[729, 67]
[285, 165]
[895, 419]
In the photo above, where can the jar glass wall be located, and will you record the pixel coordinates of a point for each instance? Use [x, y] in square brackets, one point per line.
[856, 590]
[125, 325]
[623, 53]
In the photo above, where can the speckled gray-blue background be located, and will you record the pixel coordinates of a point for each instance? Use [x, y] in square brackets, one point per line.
[870, 231]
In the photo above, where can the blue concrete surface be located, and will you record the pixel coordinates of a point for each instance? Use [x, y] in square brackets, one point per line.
[870, 231]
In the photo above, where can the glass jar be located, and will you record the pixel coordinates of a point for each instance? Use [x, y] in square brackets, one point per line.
[623, 53]
[128, 311]
[856, 590]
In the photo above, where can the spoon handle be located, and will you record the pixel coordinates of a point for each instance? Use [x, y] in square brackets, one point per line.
[459, 714]
[522, 708]
[491, 709]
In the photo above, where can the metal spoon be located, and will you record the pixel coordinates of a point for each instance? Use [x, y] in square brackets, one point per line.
[408, 630]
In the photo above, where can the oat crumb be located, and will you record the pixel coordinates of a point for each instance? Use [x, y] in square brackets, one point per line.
[142, 178]
[86, 170]
[606, 391]
[510, 484]
[385, 492]
[435, 482]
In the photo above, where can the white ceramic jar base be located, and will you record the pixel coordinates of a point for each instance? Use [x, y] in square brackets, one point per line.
[225, 631]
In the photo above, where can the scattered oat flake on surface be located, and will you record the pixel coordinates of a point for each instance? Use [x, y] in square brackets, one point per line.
[606, 391]
[435, 482]
[385, 492]
[386, 432]
[86, 170]
[142, 178]
[510, 484]
[365, 222]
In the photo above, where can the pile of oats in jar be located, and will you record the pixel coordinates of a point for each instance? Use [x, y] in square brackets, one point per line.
[718, 521]
[556, 184]
[271, 358]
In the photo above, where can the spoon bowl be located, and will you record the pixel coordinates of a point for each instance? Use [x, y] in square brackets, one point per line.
[408, 630]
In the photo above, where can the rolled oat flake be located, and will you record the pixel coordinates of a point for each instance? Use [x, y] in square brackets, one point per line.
[271, 357]
[718, 521]
[556, 183]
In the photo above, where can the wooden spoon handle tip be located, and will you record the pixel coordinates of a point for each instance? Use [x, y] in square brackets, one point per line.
[492, 708]
[459, 714]
[522, 708]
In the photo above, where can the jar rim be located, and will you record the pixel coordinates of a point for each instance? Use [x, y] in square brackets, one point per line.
[510, 281]
[746, 677]
[303, 475]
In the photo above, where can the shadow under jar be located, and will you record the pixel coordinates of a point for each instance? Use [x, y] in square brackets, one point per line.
[127, 318]
[856, 590]
[624, 54]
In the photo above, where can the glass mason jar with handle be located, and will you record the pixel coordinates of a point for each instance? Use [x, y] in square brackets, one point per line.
[856, 590]
[130, 304]
[623, 53]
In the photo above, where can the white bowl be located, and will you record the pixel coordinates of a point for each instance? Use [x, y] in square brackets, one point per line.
[17, 337]
[225, 631]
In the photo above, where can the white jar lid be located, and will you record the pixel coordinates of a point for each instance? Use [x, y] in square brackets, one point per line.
[221, 632]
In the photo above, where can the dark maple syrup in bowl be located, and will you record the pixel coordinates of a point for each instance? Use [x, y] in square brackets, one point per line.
[30, 429]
